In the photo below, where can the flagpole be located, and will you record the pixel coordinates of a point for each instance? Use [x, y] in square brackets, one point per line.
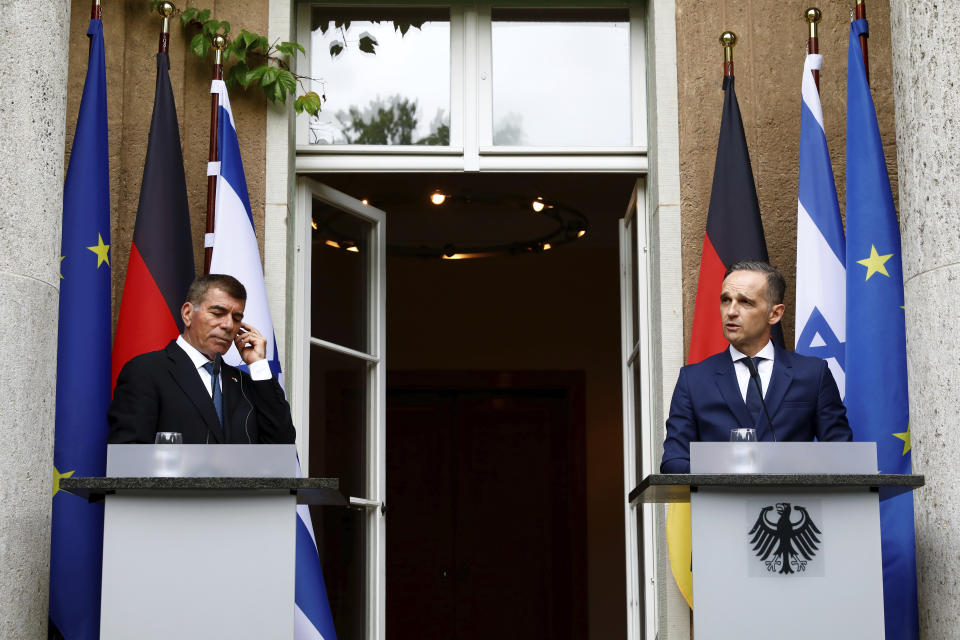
[861, 14]
[95, 10]
[165, 10]
[219, 43]
[813, 17]
[729, 40]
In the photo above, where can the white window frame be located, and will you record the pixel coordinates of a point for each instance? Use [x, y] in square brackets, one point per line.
[471, 114]
[373, 504]
[471, 150]
[636, 359]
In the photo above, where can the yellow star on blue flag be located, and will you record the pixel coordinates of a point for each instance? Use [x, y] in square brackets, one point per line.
[875, 263]
[905, 436]
[57, 477]
[102, 251]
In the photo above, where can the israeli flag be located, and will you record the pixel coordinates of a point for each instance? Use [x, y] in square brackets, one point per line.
[821, 249]
[235, 252]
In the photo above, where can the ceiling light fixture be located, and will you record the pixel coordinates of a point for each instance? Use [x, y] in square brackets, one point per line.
[438, 197]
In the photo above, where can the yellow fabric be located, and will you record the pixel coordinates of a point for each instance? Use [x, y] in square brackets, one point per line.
[678, 547]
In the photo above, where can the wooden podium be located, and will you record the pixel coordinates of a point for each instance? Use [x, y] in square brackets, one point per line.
[785, 538]
[200, 540]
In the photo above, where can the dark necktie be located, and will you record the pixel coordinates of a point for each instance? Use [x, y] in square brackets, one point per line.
[215, 386]
[754, 404]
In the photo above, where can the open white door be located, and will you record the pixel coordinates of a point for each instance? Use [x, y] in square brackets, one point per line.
[337, 375]
[635, 375]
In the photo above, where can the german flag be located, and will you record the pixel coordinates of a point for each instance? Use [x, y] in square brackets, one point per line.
[161, 258]
[734, 230]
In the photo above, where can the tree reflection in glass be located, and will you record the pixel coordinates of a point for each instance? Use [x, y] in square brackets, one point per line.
[385, 73]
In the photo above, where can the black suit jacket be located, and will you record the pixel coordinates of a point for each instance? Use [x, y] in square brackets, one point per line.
[802, 399]
[162, 391]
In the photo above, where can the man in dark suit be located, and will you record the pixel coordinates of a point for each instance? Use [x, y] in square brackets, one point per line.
[186, 387]
[718, 394]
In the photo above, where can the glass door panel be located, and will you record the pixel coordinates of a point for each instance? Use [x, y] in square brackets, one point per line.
[340, 250]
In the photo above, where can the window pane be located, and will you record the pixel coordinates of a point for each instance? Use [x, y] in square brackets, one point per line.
[339, 277]
[339, 419]
[645, 572]
[638, 411]
[561, 79]
[635, 261]
[398, 95]
[341, 542]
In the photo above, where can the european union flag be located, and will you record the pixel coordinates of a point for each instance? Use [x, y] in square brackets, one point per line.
[83, 361]
[876, 338]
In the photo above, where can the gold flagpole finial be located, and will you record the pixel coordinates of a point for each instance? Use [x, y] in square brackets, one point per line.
[166, 9]
[219, 44]
[813, 17]
[729, 40]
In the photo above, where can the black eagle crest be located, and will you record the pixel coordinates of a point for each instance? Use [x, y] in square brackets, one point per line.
[790, 543]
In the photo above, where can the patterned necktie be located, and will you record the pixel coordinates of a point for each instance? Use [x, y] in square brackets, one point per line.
[215, 385]
[754, 404]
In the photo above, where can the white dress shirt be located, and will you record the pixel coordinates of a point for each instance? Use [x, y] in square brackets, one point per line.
[259, 370]
[764, 368]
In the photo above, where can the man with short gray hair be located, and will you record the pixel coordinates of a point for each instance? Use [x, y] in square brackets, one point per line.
[799, 401]
[187, 388]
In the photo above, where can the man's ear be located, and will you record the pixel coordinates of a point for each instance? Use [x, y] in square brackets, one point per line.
[186, 313]
[776, 313]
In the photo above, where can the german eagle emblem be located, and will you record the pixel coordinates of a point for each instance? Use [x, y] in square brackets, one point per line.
[786, 542]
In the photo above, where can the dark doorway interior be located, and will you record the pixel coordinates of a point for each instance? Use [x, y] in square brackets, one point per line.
[486, 505]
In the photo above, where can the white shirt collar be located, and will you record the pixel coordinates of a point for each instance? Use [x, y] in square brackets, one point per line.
[767, 352]
[197, 358]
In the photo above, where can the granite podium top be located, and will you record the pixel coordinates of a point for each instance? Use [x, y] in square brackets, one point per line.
[315, 491]
[666, 487]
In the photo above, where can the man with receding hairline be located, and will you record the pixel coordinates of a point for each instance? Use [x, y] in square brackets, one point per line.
[187, 388]
[718, 394]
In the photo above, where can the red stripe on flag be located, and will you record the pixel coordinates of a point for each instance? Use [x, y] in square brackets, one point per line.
[144, 323]
[707, 336]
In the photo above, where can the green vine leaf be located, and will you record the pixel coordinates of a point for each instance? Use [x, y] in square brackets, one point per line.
[200, 45]
[269, 76]
[309, 102]
[187, 16]
[368, 43]
[237, 76]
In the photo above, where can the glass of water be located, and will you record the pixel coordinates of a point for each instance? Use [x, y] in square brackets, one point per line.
[743, 435]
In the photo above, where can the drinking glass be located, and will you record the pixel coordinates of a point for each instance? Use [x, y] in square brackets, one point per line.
[743, 435]
[168, 437]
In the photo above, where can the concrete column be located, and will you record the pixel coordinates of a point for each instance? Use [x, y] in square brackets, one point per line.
[33, 75]
[925, 71]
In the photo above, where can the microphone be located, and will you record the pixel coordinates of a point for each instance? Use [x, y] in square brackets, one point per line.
[755, 376]
[216, 366]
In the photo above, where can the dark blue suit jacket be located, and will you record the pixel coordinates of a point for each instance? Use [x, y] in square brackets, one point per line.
[802, 399]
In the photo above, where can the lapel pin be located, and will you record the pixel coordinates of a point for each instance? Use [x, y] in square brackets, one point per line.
[232, 378]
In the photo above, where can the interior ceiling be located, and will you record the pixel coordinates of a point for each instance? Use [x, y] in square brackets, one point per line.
[499, 210]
